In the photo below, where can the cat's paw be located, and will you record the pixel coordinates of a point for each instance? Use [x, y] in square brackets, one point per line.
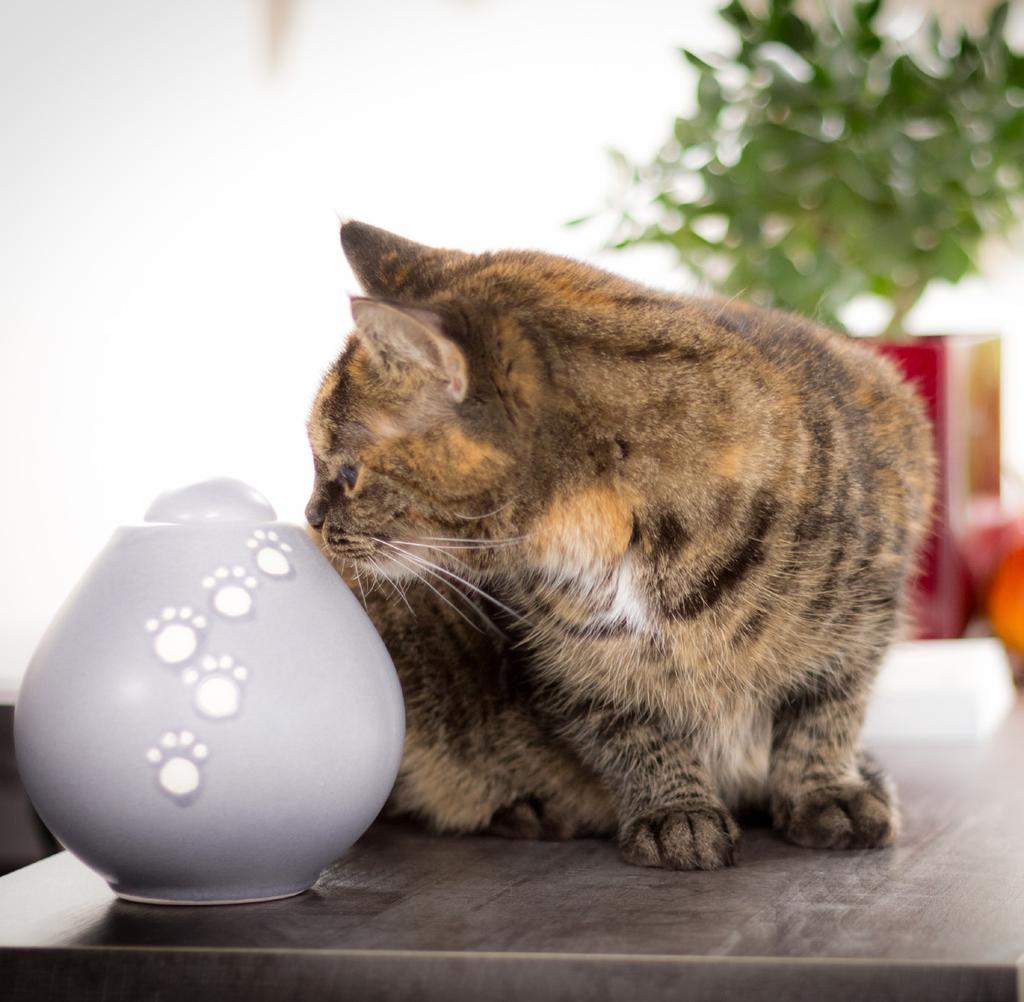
[531, 817]
[700, 838]
[859, 815]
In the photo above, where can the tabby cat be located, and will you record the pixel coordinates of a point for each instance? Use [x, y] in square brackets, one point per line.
[636, 555]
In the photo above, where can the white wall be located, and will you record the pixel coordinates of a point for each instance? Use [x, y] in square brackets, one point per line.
[172, 281]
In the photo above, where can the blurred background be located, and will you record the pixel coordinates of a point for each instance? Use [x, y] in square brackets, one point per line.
[172, 182]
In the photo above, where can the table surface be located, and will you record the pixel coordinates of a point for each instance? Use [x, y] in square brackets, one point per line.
[405, 914]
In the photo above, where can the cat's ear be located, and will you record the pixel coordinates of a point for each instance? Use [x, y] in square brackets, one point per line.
[392, 267]
[413, 337]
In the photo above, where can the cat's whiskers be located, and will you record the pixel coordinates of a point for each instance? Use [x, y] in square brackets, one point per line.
[431, 567]
[448, 550]
[412, 570]
[508, 540]
[378, 576]
[433, 546]
[397, 558]
[405, 599]
[392, 584]
[444, 553]
[362, 591]
[372, 581]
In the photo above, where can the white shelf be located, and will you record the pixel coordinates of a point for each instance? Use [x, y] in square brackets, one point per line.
[940, 690]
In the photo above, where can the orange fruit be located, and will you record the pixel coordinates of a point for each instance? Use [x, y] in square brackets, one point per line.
[1006, 600]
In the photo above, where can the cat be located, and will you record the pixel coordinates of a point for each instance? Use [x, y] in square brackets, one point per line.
[636, 555]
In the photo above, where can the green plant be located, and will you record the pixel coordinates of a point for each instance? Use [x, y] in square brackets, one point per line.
[825, 160]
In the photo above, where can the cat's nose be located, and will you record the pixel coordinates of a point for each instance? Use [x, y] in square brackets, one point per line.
[316, 511]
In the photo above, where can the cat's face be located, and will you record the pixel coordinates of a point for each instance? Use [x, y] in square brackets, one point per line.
[420, 431]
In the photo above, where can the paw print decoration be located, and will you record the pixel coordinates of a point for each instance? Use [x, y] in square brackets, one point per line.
[271, 553]
[176, 633]
[213, 685]
[218, 683]
[178, 757]
[231, 590]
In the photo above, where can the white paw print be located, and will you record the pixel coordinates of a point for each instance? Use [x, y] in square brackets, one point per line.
[270, 553]
[218, 685]
[176, 633]
[232, 590]
[178, 756]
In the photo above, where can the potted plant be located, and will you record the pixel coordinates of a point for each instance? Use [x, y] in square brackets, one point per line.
[827, 160]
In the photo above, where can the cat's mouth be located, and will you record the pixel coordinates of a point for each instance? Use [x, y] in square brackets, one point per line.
[352, 548]
[372, 554]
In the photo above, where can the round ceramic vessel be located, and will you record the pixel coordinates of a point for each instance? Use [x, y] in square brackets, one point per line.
[211, 717]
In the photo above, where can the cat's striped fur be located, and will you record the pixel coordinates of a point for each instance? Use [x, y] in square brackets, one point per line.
[699, 518]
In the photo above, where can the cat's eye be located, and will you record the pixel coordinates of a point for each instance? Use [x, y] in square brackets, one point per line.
[348, 475]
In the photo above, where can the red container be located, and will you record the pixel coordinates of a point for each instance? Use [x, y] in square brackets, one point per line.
[958, 377]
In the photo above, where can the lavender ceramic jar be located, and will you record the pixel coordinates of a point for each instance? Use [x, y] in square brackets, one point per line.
[211, 717]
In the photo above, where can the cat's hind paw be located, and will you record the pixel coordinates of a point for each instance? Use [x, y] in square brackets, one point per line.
[700, 838]
[531, 817]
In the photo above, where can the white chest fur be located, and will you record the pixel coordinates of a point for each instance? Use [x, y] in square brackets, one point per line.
[734, 747]
[622, 600]
[612, 597]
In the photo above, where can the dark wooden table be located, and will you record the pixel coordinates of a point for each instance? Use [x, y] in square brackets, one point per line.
[405, 915]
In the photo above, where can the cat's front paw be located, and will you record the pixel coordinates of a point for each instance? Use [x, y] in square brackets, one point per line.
[846, 816]
[701, 838]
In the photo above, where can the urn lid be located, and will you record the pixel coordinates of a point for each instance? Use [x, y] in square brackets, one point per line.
[220, 499]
